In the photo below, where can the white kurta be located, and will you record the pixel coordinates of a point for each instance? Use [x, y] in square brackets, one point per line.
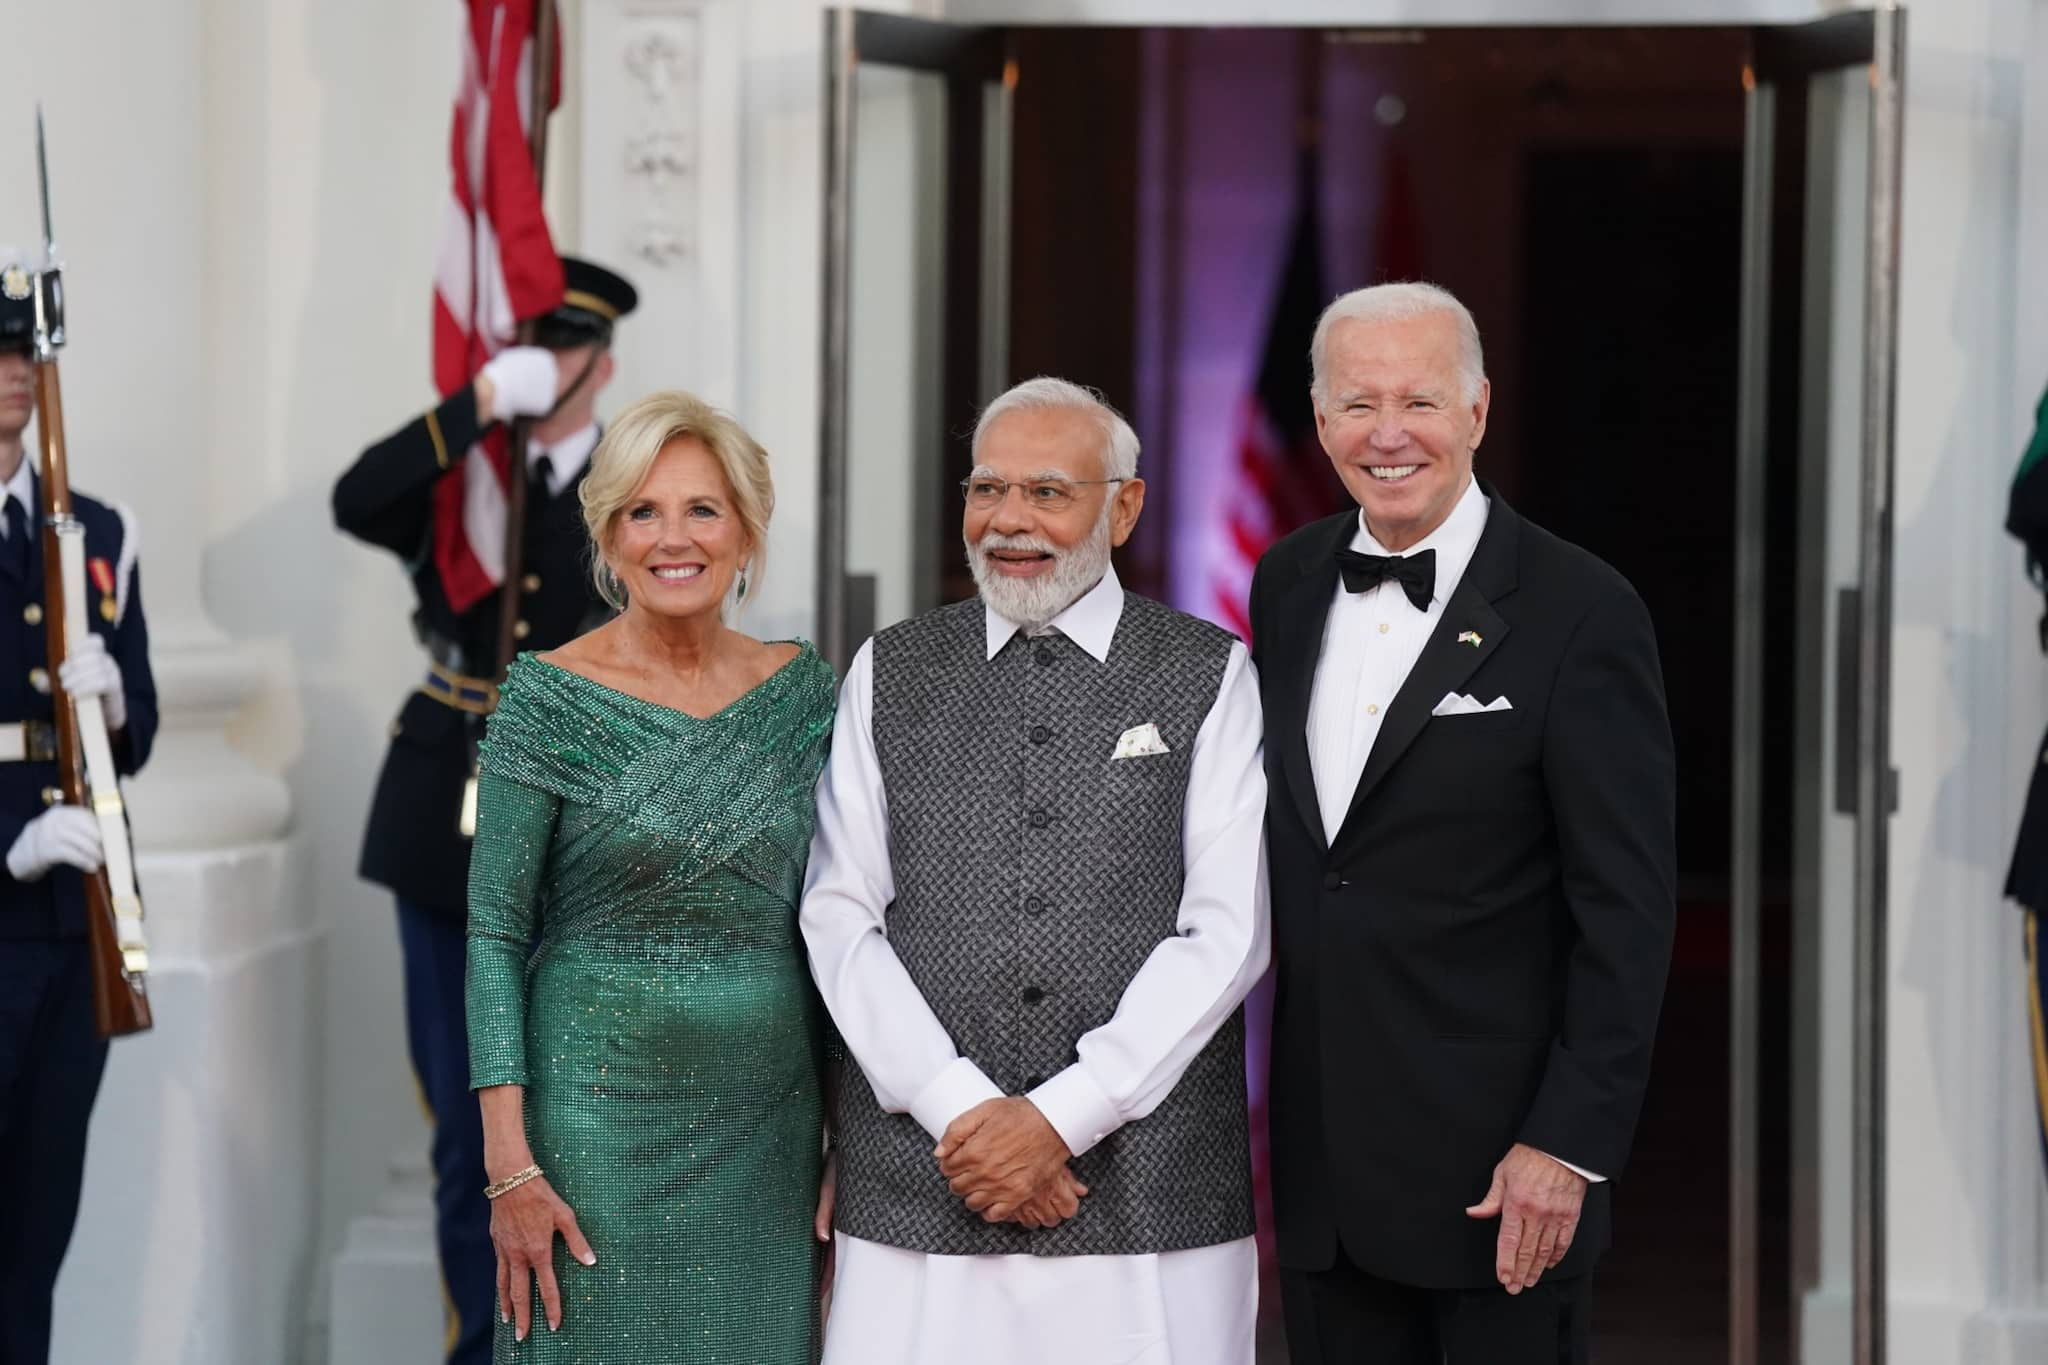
[1194, 1307]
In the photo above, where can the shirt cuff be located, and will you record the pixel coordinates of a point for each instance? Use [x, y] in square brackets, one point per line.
[1579, 1171]
[951, 1093]
[1077, 1109]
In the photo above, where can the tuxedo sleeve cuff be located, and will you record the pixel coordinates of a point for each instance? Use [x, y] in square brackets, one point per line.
[1579, 1171]
[951, 1093]
[1077, 1109]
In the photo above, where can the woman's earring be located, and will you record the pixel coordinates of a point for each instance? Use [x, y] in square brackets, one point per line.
[740, 592]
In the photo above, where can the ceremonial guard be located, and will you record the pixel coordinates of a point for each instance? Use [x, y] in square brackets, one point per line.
[406, 494]
[52, 1052]
[2027, 879]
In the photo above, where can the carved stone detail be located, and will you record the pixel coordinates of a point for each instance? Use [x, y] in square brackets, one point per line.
[661, 155]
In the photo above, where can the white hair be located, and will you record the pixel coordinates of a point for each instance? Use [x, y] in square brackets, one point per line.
[1046, 394]
[1397, 303]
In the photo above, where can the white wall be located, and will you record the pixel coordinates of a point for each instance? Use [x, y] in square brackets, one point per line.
[1965, 1185]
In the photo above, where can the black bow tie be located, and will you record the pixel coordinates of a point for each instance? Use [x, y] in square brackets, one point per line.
[1416, 573]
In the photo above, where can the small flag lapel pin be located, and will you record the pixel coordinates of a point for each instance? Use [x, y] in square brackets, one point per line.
[1469, 637]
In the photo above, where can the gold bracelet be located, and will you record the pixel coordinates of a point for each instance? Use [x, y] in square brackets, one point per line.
[511, 1182]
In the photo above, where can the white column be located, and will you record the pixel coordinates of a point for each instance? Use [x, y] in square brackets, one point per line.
[1966, 1197]
[192, 1243]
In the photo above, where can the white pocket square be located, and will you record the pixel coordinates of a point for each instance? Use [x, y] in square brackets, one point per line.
[1140, 741]
[1465, 704]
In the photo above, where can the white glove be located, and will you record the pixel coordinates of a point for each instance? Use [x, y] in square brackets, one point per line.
[92, 672]
[61, 834]
[523, 380]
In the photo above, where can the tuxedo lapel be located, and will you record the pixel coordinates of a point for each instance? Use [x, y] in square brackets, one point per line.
[1465, 637]
[1304, 610]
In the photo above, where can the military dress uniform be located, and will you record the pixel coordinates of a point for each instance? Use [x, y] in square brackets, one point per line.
[2027, 879]
[414, 845]
[51, 1057]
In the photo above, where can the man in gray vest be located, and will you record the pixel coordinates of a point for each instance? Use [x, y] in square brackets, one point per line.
[1035, 903]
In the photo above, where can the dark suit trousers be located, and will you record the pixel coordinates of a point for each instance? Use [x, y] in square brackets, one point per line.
[1343, 1316]
[435, 945]
[50, 1066]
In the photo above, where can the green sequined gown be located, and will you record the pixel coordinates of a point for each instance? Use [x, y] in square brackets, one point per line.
[634, 962]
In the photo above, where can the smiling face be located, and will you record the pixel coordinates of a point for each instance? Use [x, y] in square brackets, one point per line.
[1032, 562]
[678, 542]
[1397, 424]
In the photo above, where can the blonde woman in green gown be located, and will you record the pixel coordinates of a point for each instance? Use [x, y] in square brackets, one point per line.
[644, 1037]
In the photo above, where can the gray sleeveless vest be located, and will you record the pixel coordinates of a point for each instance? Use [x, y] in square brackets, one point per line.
[1034, 876]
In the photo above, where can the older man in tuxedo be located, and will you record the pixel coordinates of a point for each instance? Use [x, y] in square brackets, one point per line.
[1470, 818]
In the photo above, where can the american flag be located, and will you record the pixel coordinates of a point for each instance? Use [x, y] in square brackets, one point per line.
[1283, 480]
[497, 268]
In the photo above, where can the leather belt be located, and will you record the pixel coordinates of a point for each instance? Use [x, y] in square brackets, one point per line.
[476, 696]
[28, 741]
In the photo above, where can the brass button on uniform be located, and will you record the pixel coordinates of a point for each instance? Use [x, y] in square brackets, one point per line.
[1383, 627]
[39, 679]
[520, 630]
[1372, 708]
[33, 613]
[531, 582]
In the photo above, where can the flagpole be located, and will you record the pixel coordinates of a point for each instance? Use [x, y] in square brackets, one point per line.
[539, 103]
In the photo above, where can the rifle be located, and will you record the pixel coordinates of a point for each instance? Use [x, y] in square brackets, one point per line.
[85, 754]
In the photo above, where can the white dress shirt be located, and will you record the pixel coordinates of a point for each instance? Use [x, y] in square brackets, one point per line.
[1370, 643]
[565, 457]
[932, 1307]
[22, 488]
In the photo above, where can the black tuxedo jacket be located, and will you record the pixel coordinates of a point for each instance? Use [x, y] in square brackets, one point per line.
[1479, 956]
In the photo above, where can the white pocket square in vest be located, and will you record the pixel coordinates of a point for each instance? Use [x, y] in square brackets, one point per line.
[1140, 741]
[1455, 704]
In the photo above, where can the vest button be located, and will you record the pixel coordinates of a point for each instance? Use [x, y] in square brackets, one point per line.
[1032, 995]
[1034, 906]
[1043, 655]
[1331, 881]
[520, 630]
[530, 583]
[1038, 819]
[33, 613]
[39, 679]
[1040, 734]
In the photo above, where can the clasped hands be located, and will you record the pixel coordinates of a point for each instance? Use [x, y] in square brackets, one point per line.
[1009, 1165]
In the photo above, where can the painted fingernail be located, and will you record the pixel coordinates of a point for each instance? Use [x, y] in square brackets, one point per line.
[588, 1258]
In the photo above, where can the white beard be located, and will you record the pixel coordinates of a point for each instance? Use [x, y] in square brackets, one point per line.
[1032, 603]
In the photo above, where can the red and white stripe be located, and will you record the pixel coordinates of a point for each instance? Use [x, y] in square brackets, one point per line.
[1275, 489]
[497, 267]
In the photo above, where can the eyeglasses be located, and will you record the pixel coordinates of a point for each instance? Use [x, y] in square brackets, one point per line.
[985, 491]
